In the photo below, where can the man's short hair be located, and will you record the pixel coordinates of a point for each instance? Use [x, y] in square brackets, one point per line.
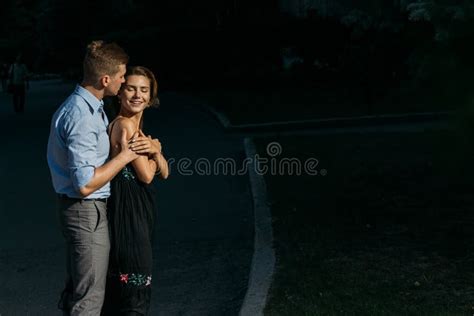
[103, 59]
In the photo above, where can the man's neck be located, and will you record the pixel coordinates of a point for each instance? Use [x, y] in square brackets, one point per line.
[98, 93]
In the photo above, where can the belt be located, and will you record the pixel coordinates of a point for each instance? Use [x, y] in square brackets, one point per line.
[65, 197]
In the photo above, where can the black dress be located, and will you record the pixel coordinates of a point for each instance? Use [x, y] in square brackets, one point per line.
[131, 217]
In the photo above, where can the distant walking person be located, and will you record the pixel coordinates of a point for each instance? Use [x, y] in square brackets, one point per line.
[18, 76]
[4, 76]
[78, 151]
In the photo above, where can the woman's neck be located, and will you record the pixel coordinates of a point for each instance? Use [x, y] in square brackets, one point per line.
[134, 117]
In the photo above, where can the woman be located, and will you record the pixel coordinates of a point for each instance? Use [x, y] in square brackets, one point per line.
[131, 207]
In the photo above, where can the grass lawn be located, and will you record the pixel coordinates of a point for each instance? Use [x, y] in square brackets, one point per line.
[389, 230]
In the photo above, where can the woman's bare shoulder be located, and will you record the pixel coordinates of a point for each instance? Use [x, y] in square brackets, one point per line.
[122, 122]
[119, 124]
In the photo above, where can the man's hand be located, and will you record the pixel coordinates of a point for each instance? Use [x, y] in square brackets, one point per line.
[125, 145]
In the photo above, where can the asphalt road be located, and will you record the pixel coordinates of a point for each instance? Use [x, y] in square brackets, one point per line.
[204, 232]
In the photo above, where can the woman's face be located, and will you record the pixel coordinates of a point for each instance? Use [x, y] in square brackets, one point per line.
[135, 93]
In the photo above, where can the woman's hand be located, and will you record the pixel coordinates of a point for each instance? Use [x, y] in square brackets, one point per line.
[145, 145]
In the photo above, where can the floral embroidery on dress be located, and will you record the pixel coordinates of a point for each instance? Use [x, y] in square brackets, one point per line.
[127, 173]
[124, 278]
[135, 279]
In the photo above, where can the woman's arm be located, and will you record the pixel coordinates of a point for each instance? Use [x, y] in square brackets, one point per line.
[152, 147]
[161, 166]
[144, 168]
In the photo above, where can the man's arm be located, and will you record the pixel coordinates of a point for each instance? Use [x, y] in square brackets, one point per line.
[81, 137]
[105, 173]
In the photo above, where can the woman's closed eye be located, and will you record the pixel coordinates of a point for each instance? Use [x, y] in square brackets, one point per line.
[133, 89]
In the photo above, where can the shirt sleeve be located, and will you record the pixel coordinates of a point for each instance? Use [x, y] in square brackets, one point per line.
[81, 142]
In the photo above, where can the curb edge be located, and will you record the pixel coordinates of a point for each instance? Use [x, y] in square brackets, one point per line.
[329, 122]
[263, 259]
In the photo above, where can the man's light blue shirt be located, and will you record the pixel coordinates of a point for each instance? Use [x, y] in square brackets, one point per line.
[78, 143]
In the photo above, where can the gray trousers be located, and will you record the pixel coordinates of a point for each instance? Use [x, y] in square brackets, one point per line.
[85, 228]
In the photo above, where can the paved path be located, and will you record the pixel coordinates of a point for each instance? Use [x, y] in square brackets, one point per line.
[204, 232]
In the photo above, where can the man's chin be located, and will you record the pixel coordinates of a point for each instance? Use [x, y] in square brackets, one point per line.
[110, 93]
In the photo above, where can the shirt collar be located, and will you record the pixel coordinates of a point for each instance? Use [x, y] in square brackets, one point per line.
[94, 103]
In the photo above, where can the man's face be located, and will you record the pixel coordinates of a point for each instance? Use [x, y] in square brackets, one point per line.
[116, 81]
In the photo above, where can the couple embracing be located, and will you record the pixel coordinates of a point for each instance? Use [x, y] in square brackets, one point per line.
[102, 174]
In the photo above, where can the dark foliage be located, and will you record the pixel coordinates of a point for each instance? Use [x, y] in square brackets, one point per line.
[370, 46]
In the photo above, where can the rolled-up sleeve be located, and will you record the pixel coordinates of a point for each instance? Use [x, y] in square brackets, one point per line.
[81, 144]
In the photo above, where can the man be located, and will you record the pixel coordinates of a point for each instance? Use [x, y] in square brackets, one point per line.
[18, 75]
[4, 76]
[78, 148]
